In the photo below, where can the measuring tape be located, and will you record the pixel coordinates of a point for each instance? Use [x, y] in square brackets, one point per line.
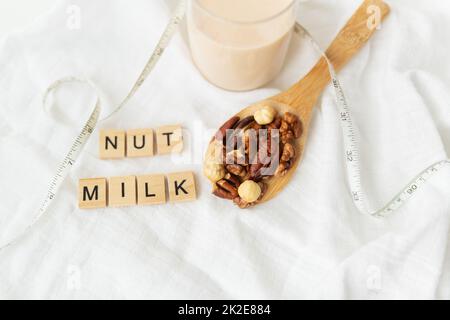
[352, 152]
[351, 149]
[71, 157]
[81, 140]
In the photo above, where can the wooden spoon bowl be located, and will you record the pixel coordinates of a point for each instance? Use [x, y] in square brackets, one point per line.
[301, 98]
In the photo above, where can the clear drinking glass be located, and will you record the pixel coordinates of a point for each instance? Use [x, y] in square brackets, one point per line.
[240, 44]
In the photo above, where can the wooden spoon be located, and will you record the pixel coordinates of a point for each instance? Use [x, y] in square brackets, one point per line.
[301, 98]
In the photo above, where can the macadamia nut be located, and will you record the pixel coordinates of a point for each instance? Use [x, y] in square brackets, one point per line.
[249, 191]
[265, 115]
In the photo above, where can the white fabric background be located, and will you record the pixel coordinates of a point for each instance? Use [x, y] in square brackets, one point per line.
[310, 242]
[13, 16]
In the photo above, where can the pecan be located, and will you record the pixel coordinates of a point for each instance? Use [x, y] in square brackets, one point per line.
[241, 203]
[288, 152]
[250, 142]
[290, 118]
[264, 157]
[233, 139]
[255, 126]
[255, 170]
[284, 127]
[297, 129]
[226, 185]
[263, 190]
[227, 188]
[246, 140]
[221, 134]
[264, 151]
[286, 132]
[268, 170]
[282, 169]
[221, 193]
[236, 169]
[224, 154]
[287, 136]
[236, 157]
[276, 124]
[249, 156]
[233, 180]
[291, 127]
[245, 122]
[266, 141]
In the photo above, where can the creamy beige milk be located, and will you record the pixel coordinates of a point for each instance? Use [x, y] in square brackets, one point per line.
[240, 44]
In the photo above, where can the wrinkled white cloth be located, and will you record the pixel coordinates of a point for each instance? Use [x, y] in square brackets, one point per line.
[309, 242]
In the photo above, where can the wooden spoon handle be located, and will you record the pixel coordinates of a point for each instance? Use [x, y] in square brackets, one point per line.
[347, 43]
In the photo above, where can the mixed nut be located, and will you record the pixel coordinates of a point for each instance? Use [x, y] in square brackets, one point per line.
[246, 152]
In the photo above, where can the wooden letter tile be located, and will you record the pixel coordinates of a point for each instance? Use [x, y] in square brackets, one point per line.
[140, 143]
[112, 144]
[122, 191]
[181, 187]
[92, 193]
[169, 139]
[151, 189]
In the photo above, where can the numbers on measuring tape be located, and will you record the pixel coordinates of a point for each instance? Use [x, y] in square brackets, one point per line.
[350, 156]
[412, 189]
[351, 151]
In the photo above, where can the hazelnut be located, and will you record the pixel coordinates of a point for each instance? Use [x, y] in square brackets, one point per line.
[213, 171]
[265, 115]
[249, 191]
[213, 167]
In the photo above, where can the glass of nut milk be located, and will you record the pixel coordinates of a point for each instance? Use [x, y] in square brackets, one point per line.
[240, 44]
